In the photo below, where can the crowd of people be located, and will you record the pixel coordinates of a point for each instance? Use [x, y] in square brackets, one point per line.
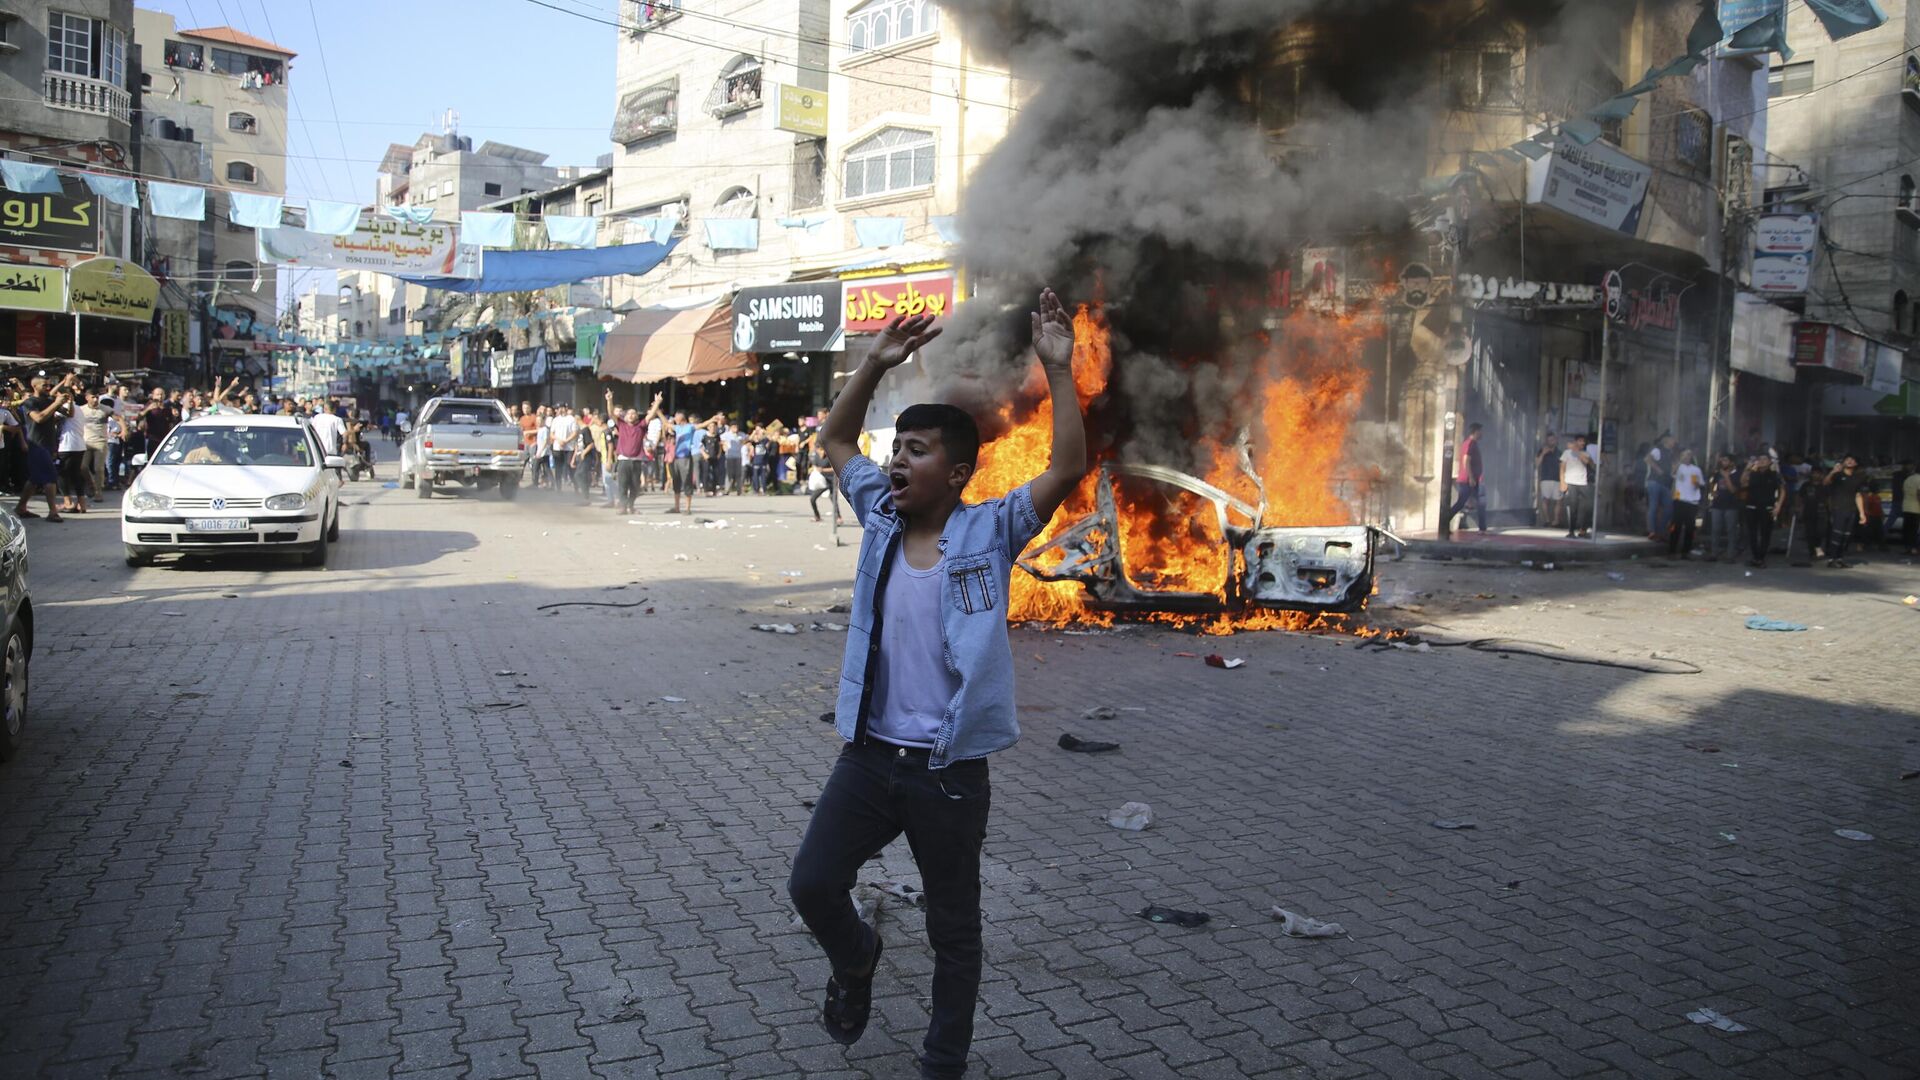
[627, 453]
[70, 442]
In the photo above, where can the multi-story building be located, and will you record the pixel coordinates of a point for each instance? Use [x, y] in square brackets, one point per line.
[66, 100]
[444, 171]
[1844, 122]
[224, 90]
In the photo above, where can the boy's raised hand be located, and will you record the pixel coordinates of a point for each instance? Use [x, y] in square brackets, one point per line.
[903, 337]
[1052, 331]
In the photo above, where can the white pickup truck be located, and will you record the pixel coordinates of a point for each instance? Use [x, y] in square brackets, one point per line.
[470, 441]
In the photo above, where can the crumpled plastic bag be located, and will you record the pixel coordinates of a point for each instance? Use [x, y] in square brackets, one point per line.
[1294, 924]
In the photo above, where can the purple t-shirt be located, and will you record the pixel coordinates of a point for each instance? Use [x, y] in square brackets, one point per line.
[628, 439]
[912, 684]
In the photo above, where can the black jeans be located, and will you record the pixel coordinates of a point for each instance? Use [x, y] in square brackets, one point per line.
[1839, 533]
[877, 792]
[629, 473]
[832, 492]
[736, 476]
[1469, 493]
[1759, 532]
[1680, 533]
[1579, 508]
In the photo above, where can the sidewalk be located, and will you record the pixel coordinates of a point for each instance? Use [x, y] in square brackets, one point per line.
[1523, 544]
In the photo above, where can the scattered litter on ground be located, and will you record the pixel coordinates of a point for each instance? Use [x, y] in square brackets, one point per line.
[1216, 660]
[1294, 924]
[1546, 566]
[826, 718]
[1188, 919]
[674, 700]
[1910, 601]
[1132, 817]
[1615, 575]
[1729, 837]
[1761, 622]
[1703, 748]
[720, 523]
[229, 596]
[808, 803]
[174, 614]
[830, 627]
[839, 609]
[591, 603]
[793, 573]
[900, 890]
[778, 628]
[1449, 823]
[500, 705]
[1910, 774]
[783, 602]
[1086, 746]
[1714, 1019]
[682, 558]
[1852, 834]
[503, 673]
[1100, 712]
[1745, 611]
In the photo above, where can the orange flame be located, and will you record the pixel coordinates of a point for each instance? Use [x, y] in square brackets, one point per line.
[1308, 385]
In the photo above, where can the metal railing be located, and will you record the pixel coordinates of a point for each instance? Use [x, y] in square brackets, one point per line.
[77, 93]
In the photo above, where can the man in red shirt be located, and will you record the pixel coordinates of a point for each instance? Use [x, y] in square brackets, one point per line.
[629, 433]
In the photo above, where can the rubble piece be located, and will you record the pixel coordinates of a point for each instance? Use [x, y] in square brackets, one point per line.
[900, 890]
[1449, 823]
[840, 609]
[1132, 817]
[1713, 1019]
[1100, 712]
[1294, 924]
[777, 628]
[1189, 919]
[830, 627]
[1852, 834]
[1086, 746]
[1216, 660]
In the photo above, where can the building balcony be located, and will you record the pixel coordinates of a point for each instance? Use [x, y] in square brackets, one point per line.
[1908, 210]
[77, 93]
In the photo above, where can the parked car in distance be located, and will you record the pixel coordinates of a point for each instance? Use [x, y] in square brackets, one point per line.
[470, 441]
[17, 654]
[232, 482]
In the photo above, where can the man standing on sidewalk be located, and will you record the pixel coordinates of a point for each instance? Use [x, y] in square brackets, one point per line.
[1659, 487]
[1576, 487]
[1467, 479]
[1846, 508]
[1766, 495]
[926, 688]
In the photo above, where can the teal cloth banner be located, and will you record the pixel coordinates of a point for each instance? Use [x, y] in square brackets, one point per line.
[115, 189]
[880, 232]
[177, 201]
[486, 230]
[576, 231]
[332, 218]
[254, 211]
[1845, 18]
[733, 234]
[29, 179]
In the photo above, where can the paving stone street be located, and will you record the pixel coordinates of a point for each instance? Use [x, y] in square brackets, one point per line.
[405, 816]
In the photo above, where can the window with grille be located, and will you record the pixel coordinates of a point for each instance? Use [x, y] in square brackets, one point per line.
[886, 22]
[242, 172]
[894, 159]
[737, 89]
[245, 123]
[647, 112]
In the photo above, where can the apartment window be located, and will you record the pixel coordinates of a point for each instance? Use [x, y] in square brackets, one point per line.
[242, 172]
[1482, 77]
[245, 123]
[737, 89]
[1907, 201]
[881, 23]
[646, 112]
[240, 270]
[1790, 79]
[595, 206]
[359, 328]
[894, 159]
[77, 45]
[185, 54]
[491, 189]
[736, 202]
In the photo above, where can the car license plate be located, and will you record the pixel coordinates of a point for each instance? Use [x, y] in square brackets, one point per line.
[216, 524]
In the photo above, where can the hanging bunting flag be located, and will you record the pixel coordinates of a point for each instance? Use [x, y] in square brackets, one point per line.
[177, 201]
[1582, 131]
[29, 179]
[254, 211]
[659, 230]
[812, 226]
[1845, 18]
[733, 234]
[332, 218]
[947, 226]
[880, 232]
[1767, 34]
[486, 230]
[115, 189]
[575, 231]
[1614, 109]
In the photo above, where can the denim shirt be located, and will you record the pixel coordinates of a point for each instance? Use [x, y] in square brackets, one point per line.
[977, 548]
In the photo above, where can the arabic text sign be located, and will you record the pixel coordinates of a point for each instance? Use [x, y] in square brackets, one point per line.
[1483, 290]
[1786, 234]
[113, 289]
[176, 340]
[871, 305]
[33, 288]
[1778, 275]
[803, 112]
[378, 244]
[1594, 183]
[49, 221]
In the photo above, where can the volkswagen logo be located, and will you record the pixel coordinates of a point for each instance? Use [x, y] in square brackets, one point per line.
[219, 504]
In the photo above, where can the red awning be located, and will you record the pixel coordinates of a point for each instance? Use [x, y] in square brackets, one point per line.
[692, 346]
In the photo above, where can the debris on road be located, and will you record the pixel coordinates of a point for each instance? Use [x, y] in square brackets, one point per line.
[1729, 837]
[1703, 748]
[682, 558]
[1714, 1019]
[1216, 660]
[674, 700]
[1761, 622]
[1086, 746]
[1100, 712]
[900, 890]
[1188, 919]
[1132, 817]
[1910, 774]
[839, 609]
[777, 628]
[1294, 924]
[1852, 834]
[829, 627]
[826, 718]
[1615, 575]
[1449, 823]
[1910, 601]
[505, 674]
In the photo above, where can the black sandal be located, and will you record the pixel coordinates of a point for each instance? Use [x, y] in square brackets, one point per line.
[848, 1006]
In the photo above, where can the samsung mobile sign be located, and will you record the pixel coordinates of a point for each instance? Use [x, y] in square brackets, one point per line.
[806, 317]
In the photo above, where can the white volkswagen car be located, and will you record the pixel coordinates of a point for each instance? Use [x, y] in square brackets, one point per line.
[234, 482]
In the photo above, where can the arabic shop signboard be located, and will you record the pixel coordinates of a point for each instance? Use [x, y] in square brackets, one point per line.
[1783, 253]
[33, 288]
[113, 289]
[379, 244]
[49, 221]
[790, 318]
[1521, 293]
[1595, 183]
[872, 304]
[176, 337]
[802, 111]
[1823, 345]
